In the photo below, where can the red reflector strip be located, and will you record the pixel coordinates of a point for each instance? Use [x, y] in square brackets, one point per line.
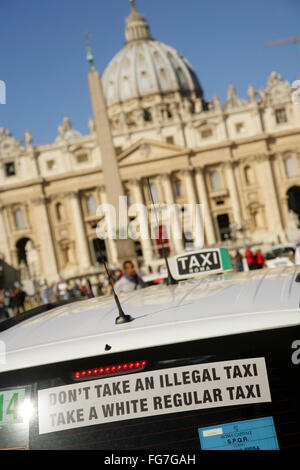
[109, 370]
[156, 281]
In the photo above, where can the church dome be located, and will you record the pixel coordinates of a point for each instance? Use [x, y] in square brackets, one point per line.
[145, 66]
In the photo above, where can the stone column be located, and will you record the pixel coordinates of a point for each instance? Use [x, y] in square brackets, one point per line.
[269, 191]
[109, 242]
[203, 197]
[47, 251]
[143, 216]
[192, 199]
[80, 235]
[175, 223]
[234, 195]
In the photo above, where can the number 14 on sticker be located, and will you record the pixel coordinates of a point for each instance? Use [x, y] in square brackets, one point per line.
[10, 401]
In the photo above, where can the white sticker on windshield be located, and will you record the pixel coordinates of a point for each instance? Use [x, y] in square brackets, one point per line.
[153, 393]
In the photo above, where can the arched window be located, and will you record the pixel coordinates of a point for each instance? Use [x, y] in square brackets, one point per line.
[91, 204]
[215, 180]
[59, 211]
[19, 217]
[290, 167]
[249, 175]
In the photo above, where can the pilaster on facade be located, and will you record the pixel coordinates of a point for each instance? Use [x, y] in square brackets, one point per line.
[269, 191]
[197, 221]
[209, 231]
[4, 242]
[233, 190]
[43, 227]
[145, 238]
[80, 234]
[39, 200]
[176, 219]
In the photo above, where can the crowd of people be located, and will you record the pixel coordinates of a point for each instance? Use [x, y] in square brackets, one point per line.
[67, 290]
[12, 301]
[15, 300]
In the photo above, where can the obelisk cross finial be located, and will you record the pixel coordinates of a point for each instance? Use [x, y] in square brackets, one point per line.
[89, 55]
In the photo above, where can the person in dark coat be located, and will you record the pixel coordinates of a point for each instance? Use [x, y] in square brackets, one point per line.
[239, 262]
[19, 300]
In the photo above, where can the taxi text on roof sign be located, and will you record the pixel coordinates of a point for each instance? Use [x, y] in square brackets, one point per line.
[211, 261]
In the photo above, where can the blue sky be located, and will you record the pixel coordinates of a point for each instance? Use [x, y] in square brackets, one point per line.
[42, 53]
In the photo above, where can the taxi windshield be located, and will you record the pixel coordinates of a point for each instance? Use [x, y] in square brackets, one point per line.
[184, 389]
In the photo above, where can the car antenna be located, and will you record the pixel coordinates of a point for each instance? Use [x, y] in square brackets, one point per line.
[171, 280]
[122, 318]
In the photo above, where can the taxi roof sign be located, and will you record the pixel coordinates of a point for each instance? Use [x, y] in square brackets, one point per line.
[193, 263]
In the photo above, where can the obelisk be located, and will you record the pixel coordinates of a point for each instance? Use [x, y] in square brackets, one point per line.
[113, 183]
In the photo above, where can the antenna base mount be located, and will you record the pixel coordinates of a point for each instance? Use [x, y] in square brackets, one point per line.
[123, 319]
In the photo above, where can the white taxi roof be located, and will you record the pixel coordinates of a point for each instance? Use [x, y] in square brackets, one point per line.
[206, 307]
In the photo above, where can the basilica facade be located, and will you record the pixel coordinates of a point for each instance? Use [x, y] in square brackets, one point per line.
[240, 159]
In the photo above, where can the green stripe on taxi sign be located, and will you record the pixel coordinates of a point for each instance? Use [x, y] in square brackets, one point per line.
[226, 261]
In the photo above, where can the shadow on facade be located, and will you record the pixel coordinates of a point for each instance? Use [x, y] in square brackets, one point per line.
[8, 275]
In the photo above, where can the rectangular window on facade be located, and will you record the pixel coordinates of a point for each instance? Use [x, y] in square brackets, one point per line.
[19, 217]
[280, 115]
[82, 158]
[215, 180]
[170, 139]
[290, 167]
[147, 115]
[240, 127]
[206, 133]
[118, 150]
[50, 164]
[10, 169]
[179, 189]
